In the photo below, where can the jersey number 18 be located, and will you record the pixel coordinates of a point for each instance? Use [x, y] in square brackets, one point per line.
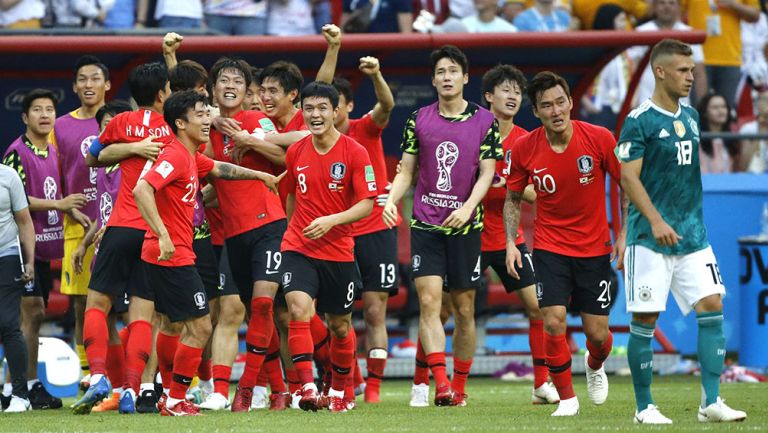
[684, 152]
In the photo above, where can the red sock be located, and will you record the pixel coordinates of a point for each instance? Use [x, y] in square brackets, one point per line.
[342, 360]
[221, 376]
[293, 380]
[461, 369]
[375, 368]
[421, 372]
[598, 354]
[300, 345]
[257, 339]
[123, 334]
[436, 362]
[538, 353]
[166, 346]
[95, 339]
[116, 364]
[559, 364]
[204, 371]
[349, 388]
[357, 374]
[320, 338]
[262, 379]
[271, 368]
[137, 352]
[184, 367]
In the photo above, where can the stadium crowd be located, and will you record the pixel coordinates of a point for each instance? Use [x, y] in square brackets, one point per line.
[249, 167]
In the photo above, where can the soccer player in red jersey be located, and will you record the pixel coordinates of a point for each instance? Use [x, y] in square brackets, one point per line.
[503, 88]
[568, 161]
[166, 197]
[116, 270]
[331, 185]
[255, 222]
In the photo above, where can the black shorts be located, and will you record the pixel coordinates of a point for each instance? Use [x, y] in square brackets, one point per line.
[43, 283]
[453, 257]
[497, 261]
[118, 268]
[332, 284]
[207, 265]
[255, 256]
[376, 257]
[586, 281]
[180, 294]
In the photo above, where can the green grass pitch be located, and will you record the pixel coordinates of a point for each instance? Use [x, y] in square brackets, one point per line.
[494, 406]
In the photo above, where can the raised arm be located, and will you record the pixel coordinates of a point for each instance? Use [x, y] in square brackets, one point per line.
[332, 35]
[385, 101]
[171, 43]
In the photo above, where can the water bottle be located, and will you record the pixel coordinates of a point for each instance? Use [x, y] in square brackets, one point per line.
[764, 222]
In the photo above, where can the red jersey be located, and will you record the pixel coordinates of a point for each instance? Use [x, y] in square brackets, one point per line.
[174, 176]
[570, 186]
[295, 124]
[325, 185]
[133, 127]
[245, 204]
[494, 236]
[366, 132]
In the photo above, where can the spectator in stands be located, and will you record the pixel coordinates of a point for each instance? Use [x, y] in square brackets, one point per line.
[610, 89]
[486, 19]
[21, 14]
[716, 155]
[586, 10]
[322, 14]
[666, 16]
[236, 17]
[511, 8]
[290, 18]
[16, 269]
[543, 16]
[179, 14]
[80, 13]
[722, 48]
[386, 16]
[126, 14]
[755, 151]
[754, 68]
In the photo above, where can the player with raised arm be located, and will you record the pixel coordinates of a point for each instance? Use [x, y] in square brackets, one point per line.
[666, 241]
[456, 145]
[503, 88]
[568, 161]
[330, 185]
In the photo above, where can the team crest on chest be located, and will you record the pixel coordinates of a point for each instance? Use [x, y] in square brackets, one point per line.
[586, 164]
[338, 170]
[679, 128]
[694, 126]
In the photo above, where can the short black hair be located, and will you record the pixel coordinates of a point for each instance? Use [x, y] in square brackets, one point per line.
[256, 75]
[91, 60]
[187, 75]
[318, 89]
[449, 52]
[286, 73]
[33, 94]
[344, 87]
[112, 108]
[145, 81]
[177, 106]
[497, 76]
[235, 63]
[544, 81]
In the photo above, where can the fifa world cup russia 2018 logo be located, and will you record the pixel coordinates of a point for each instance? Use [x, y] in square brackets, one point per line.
[105, 207]
[447, 153]
[49, 190]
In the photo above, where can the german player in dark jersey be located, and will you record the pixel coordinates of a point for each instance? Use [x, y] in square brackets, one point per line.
[166, 197]
[667, 241]
[568, 161]
[331, 185]
[455, 144]
[503, 88]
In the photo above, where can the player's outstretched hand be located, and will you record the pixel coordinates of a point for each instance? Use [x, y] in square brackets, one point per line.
[664, 234]
[77, 259]
[81, 218]
[332, 34]
[514, 260]
[319, 227]
[148, 148]
[390, 214]
[72, 201]
[618, 251]
[458, 218]
[369, 65]
[166, 248]
[226, 125]
[271, 181]
[171, 42]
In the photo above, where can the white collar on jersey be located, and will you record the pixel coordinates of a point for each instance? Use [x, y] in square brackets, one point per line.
[665, 112]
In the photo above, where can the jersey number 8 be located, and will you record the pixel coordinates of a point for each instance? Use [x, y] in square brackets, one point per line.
[302, 178]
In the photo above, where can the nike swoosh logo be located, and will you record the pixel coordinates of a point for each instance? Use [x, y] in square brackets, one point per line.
[388, 286]
[302, 168]
[604, 306]
[476, 278]
[349, 304]
[535, 171]
[271, 272]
